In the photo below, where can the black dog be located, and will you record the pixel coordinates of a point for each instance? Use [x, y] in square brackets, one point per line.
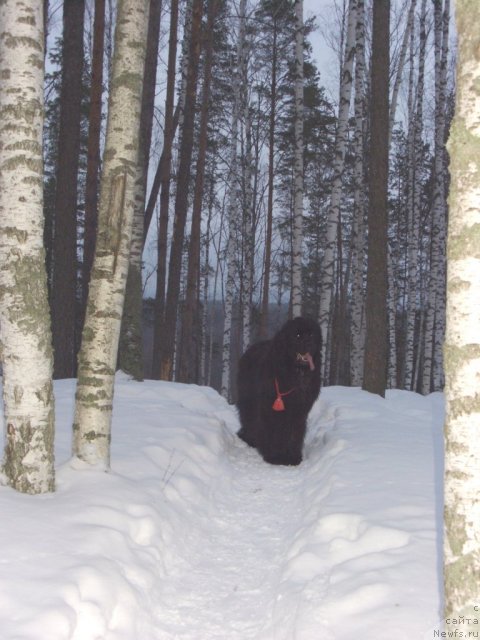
[278, 382]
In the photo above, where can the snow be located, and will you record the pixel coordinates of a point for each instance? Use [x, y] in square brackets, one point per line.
[191, 536]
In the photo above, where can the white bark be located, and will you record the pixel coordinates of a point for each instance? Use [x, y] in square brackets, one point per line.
[358, 257]
[98, 354]
[328, 267]
[25, 336]
[462, 340]
[298, 166]
[249, 239]
[232, 214]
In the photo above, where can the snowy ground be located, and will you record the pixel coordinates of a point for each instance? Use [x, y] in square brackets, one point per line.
[193, 537]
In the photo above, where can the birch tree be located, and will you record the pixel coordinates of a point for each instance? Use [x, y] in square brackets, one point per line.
[358, 249]
[163, 175]
[130, 356]
[328, 268]
[98, 354]
[25, 336]
[298, 167]
[462, 341]
[93, 148]
[232, 205]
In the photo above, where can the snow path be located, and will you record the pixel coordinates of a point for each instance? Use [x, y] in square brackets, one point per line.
[191, 536]
[234, 564]
[281, 553]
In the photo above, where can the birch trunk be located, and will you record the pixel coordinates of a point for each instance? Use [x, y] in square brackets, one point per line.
[462, 341]
[130, 356]
[248, 215]
[93, 148]
[298, 166]
[271, 171]
[328, 268]
[163, 174]
[25, 336]
[358, 257]
[432, 377]
[98, 354]
[232, 212]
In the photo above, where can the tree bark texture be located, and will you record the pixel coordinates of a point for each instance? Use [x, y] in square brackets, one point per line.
[130, 352]
[162, 179]
[25, 336]
[328, 262]
[189, 364]
[375, 365]
[297, 240]
[462, 340]
[64, 302]
[98, 354]
[93, 148]
[181, 198]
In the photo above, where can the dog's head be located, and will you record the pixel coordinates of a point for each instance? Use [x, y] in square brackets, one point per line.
[300, 341]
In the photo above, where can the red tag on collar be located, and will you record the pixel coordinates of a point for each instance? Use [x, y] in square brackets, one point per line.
[279, 405]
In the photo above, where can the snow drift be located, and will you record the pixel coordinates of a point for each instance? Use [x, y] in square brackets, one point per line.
[192, 536]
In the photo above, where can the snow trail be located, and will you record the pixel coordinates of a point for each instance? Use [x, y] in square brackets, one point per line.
[234, 558]
[192, 536]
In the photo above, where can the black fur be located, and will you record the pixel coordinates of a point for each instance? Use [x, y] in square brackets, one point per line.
[279, 435]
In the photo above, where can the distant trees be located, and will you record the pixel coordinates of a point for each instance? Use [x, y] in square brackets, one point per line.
[253, 186]
[462, 342]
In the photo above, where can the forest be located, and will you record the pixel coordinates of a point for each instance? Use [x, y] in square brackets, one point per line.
[178, 178]
[253, 183]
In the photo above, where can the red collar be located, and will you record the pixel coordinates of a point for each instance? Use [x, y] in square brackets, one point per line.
[279, 405]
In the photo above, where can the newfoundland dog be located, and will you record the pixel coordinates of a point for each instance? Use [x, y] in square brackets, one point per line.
[278, 382]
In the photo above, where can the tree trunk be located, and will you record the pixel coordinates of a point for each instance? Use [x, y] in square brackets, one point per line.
[358, 250]
[271, 170]
[25, 337]
[167, 349]
[415, 156]
[328, 262]
[432, 375]
[298, 167]
[462, 343]
[98, 354]
[93, 149]
[130, 355]
[163, 174]
[64, 302]
[375, 366]
[189, 364]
